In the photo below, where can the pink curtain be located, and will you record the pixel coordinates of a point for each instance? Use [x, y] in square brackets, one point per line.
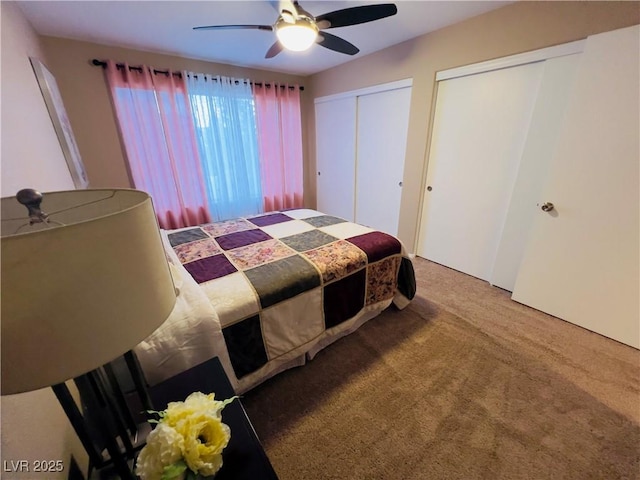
[157, 130]
[280, 145]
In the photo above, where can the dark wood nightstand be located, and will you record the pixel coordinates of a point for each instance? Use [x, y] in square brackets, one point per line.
[244, 458]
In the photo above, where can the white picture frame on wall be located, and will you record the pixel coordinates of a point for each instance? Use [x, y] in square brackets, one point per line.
[61, 124]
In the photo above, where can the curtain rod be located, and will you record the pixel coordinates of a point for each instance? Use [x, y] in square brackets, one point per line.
[100, 63]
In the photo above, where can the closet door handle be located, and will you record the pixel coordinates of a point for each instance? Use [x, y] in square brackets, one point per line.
[547, 207]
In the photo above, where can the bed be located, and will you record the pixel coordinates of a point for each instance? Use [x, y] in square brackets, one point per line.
[267, 293]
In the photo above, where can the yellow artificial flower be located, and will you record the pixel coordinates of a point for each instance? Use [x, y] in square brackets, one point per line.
[205, 436]
[191, 435]
[164, 447]
[195, 403]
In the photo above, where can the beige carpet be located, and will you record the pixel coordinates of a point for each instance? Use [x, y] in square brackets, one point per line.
[462, 384]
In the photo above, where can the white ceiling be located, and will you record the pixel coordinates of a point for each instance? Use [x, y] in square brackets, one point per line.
[166, 27]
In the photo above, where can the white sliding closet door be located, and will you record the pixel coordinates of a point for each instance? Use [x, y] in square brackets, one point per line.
[336, 156]
[544, 127]
[383, 121]
[479, 132]
[361, 139]
[582, 263]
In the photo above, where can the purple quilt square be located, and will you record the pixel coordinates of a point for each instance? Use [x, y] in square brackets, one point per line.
[242, 239]
[344, 299]
[270, 219]
[209, 268]
[377, 245]
[245, 346]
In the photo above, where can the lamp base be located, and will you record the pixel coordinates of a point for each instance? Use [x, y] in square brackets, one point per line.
[107, 422]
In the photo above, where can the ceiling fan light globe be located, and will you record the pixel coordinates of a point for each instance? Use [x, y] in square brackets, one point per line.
[297, 37]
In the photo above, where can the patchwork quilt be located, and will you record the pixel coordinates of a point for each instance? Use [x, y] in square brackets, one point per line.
[281, 280]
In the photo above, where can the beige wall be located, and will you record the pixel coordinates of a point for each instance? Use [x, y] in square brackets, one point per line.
[31, 153]
[34, 427]
[516, 28]
[88, 103]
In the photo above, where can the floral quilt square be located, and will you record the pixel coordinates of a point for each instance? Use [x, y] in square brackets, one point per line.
[258, 253]
[228, 226]
[337, 260]
[382, 279]
[188, 252]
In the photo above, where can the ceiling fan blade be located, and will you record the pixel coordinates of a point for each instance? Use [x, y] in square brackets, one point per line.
[275, 49]
[356, 15]
[336, 43]
[268, 28]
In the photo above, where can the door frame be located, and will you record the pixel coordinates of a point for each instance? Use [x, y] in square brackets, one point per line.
[407, 82]
[513, 60]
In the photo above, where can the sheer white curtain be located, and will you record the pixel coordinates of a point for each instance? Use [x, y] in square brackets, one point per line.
[225, 125]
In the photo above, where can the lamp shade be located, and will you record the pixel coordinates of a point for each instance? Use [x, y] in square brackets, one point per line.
[82, 290]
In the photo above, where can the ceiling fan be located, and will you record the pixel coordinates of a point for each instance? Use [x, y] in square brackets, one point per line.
[297, 29]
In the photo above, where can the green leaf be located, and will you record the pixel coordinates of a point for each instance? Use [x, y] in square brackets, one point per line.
[174, 470]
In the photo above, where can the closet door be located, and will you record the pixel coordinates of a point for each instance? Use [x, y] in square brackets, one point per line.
[480, 127]
[582, 260]
[383, 122]
[544, 127]
[336, 156]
